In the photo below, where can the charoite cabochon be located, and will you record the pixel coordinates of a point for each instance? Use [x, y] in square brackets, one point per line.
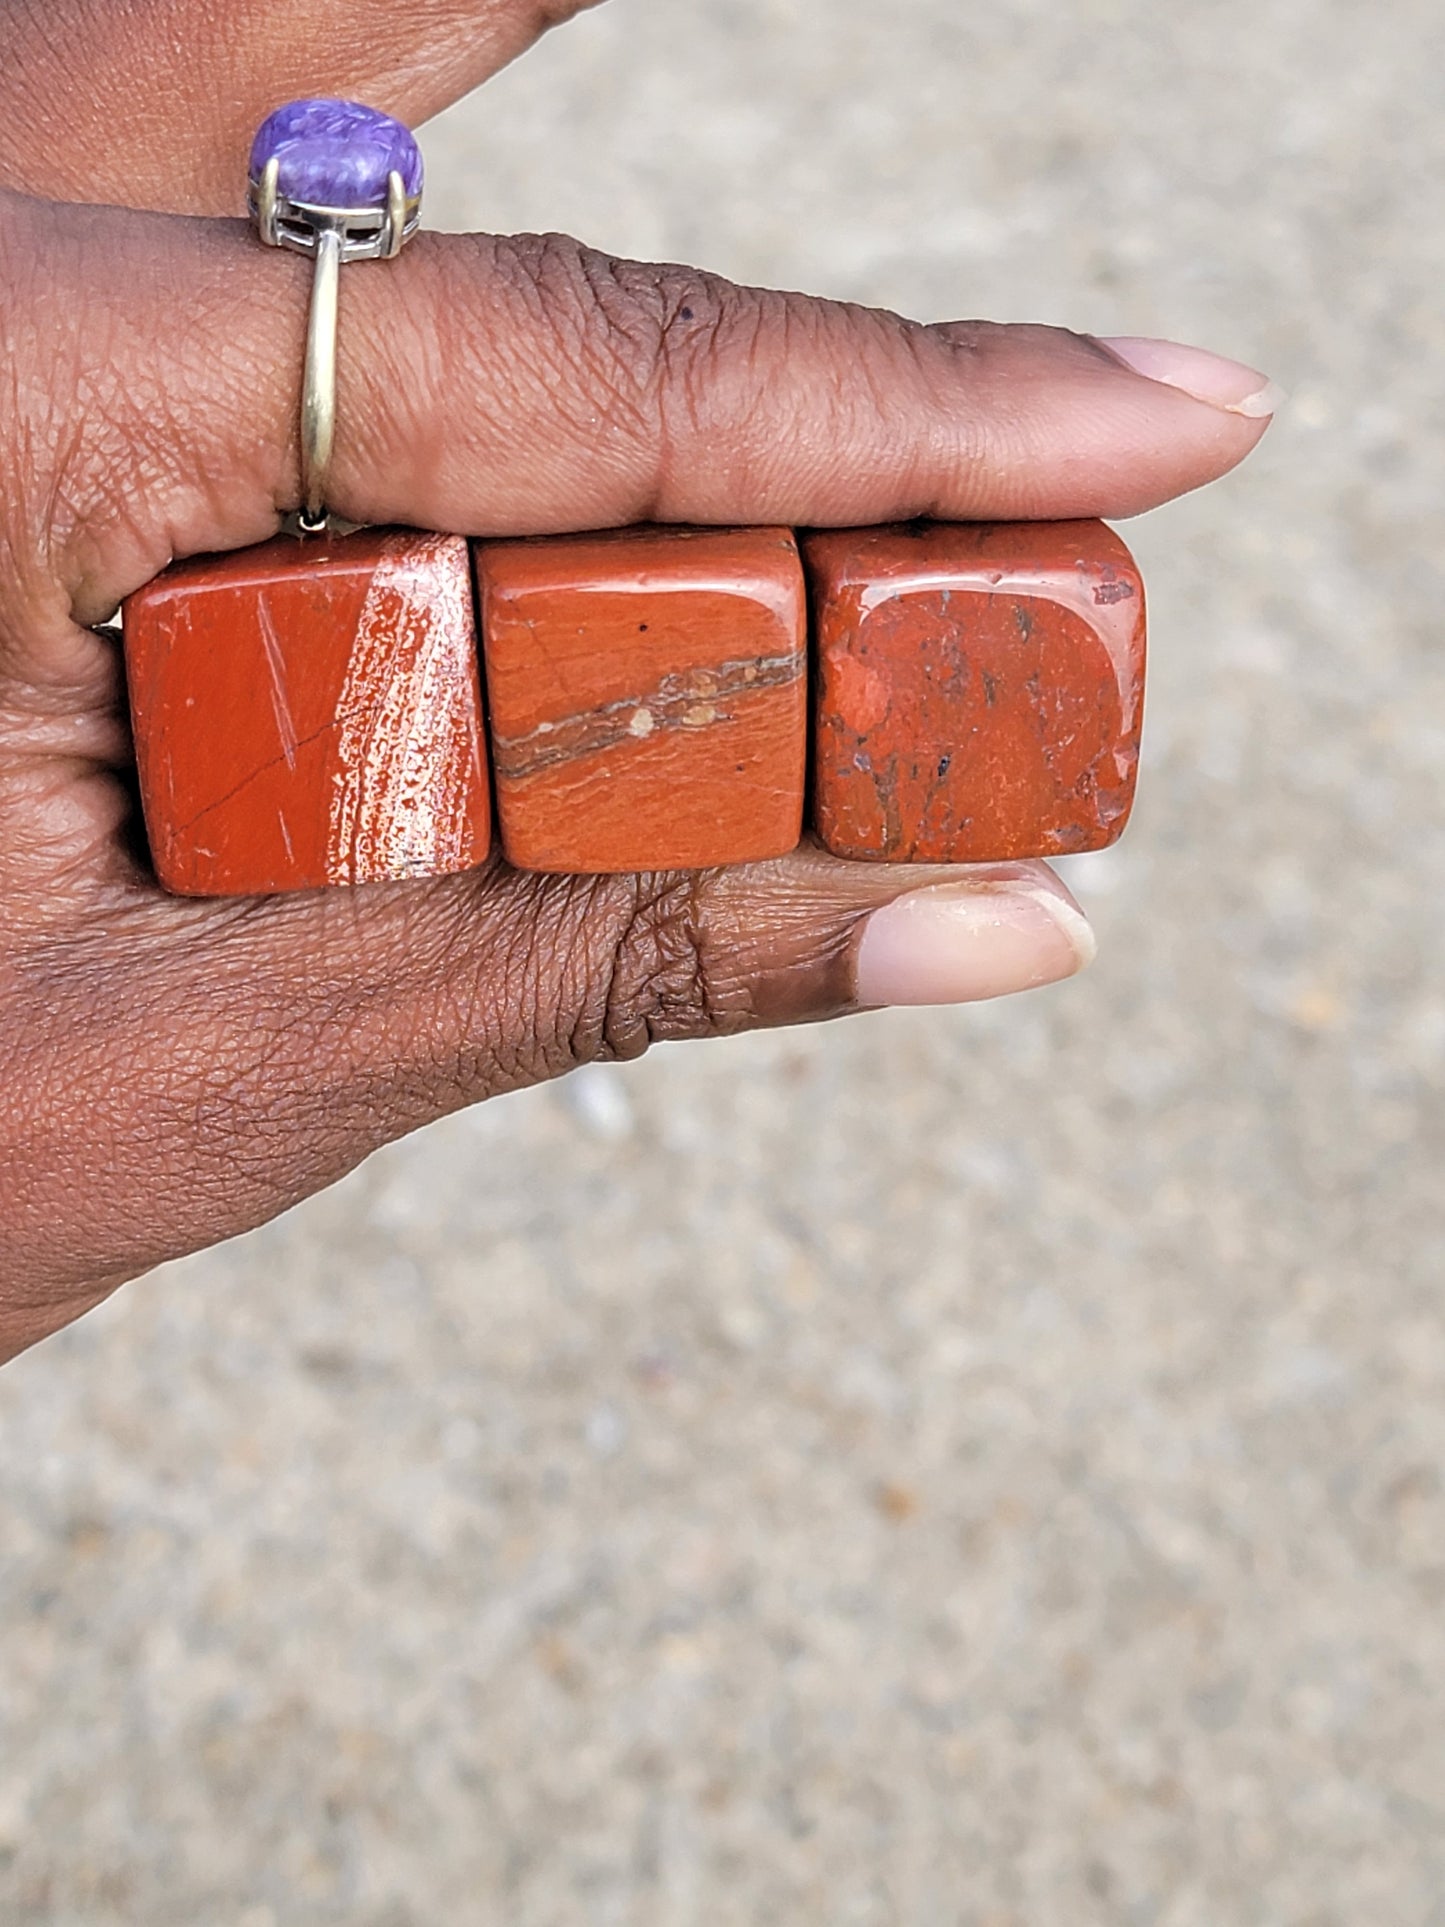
[336, 153]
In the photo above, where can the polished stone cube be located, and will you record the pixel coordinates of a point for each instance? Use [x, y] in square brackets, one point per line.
[979, 689]
[648, 697]
[309, 712]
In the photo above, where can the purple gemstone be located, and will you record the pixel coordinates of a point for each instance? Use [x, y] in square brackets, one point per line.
[336, 153]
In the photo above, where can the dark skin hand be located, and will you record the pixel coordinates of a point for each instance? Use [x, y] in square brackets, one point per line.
[174, 1072]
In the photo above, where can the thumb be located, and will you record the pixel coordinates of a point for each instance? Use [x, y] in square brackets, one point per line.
[614, 964]
[234, 1057]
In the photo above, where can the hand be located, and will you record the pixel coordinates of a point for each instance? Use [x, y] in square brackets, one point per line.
[174, 1072]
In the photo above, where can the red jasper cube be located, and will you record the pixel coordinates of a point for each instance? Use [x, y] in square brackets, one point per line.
[979, 689]
[309, 712]
[648, 697]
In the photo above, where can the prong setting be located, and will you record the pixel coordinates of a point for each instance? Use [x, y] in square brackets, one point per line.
[267, 197]
[367, 234]
[395, 215]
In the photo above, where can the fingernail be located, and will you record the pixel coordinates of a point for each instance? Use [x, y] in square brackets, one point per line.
[956, 943]
[1223, 384]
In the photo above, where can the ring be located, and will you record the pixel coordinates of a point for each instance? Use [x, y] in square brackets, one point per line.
[341, 182]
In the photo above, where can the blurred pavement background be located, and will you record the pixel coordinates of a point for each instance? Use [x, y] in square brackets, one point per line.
[979, 1467]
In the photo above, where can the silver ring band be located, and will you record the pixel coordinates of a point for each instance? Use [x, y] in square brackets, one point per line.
[318, 388]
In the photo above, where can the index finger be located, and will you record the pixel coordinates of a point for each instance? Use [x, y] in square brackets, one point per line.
[515, 386]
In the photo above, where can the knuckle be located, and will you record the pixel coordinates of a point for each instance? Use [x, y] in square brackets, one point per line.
[641, 338]
[655, 972]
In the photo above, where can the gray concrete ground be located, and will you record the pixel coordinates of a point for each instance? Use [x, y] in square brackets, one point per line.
[966, 1468]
